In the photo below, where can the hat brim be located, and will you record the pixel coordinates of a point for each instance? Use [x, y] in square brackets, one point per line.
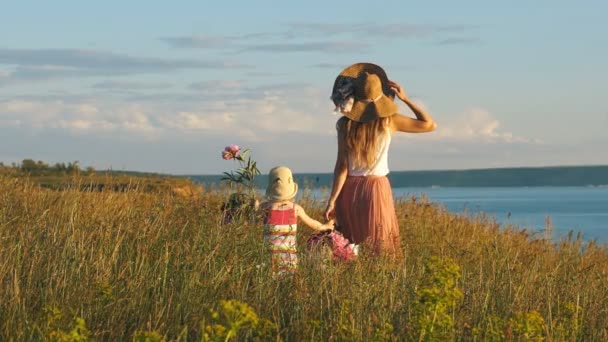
[279, 196]
[369, 111]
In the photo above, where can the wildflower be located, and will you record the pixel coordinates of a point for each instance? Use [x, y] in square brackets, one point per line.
[233, 152]
[234, 149]
[243, 179]
[248, 170]
[341, 248]
[227, 155]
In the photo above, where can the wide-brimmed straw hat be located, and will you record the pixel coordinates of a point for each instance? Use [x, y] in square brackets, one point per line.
[362, 93]
[280, 184]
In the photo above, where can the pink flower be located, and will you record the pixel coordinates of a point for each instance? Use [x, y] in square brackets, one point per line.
[338, 240]
[227, 155]
[341, 247]
[343, 253]
[234, 149]
[342, 250]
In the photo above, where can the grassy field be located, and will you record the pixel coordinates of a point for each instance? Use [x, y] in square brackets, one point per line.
[157, 264]
[97, 180]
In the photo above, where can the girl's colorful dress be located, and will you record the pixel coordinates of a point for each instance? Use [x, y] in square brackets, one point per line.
[280, 228]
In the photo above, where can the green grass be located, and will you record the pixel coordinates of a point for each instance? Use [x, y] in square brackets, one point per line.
[153, 264]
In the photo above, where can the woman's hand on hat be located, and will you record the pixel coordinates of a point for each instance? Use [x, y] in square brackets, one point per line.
[398, 90]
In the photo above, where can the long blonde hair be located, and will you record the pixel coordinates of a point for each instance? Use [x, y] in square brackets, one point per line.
[362, 140]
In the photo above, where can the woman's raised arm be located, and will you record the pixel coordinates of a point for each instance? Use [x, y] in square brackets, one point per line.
[423, 122]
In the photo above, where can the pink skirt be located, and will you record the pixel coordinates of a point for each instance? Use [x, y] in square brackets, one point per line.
[365, 213]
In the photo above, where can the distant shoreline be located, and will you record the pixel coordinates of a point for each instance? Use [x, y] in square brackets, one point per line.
[498, 177]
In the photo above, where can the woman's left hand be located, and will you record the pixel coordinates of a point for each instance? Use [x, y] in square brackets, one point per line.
[398, 89]
[329, 211]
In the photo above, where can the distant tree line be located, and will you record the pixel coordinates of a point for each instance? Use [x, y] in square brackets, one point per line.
[40, 167]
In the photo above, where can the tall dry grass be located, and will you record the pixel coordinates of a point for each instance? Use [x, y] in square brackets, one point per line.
[159, 265]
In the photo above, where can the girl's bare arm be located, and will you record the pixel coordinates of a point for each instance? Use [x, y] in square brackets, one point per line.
[310, 222]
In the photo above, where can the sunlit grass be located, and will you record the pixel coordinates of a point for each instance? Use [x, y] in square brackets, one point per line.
[118, 265]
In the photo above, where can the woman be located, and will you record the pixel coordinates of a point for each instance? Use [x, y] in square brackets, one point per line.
[361, 196]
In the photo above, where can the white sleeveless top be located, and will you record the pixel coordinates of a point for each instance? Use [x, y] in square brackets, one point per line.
[380, 167]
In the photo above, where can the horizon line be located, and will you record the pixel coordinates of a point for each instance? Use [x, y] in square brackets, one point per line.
[436, 170]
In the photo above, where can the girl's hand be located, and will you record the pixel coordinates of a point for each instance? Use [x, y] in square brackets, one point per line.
[329, 225]
[329, 211]
[326, 226]
[398, 90]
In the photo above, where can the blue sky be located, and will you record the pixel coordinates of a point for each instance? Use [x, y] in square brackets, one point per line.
[164, 87]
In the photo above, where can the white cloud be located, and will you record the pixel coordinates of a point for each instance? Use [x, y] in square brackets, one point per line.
[264, 118]
[134, 118]
[477, 124]
[260, 116]
[87, 109]
[282, 129]
[195, 121]
[261, 113]
[77, 124]
[18, 106]
[88, 117]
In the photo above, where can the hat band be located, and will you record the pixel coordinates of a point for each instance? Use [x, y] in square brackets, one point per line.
[372, 100]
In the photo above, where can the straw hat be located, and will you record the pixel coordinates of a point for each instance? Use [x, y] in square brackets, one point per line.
[362, 93]
[280, 184]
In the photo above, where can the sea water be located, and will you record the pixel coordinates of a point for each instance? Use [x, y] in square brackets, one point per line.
[577, 209]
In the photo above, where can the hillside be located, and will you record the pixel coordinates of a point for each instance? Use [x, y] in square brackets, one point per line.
[150, 266]
[71, 176]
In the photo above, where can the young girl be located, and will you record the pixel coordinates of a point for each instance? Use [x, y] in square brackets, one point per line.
[281, 218]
